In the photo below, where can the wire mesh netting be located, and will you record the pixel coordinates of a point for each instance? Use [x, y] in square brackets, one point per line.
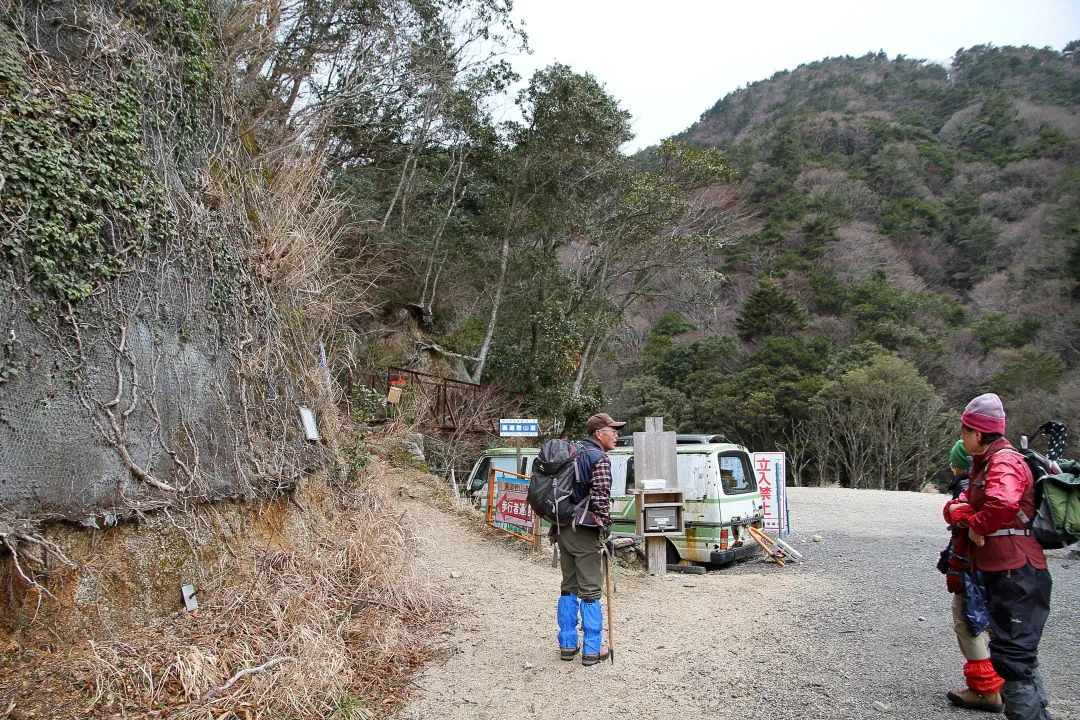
[144, 396]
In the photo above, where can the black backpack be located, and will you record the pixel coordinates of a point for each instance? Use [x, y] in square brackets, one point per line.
[557, 493]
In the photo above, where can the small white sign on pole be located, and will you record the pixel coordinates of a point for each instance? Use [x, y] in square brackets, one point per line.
[770, 468]
[519, 427]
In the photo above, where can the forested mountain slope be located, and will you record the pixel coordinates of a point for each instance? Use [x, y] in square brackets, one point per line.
[919, 244]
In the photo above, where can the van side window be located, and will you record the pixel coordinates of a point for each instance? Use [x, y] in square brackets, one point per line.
[736, 476]
[629, 474]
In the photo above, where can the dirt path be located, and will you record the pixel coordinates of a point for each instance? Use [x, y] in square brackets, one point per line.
[860, 629]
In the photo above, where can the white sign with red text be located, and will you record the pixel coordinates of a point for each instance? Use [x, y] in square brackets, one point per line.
[770, 469]
[510, 510]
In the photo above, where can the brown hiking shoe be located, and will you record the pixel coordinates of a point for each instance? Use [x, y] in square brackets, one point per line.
[972, 700]
[568, 653]
[590, 659]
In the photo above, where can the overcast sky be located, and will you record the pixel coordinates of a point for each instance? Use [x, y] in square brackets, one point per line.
[667, 62]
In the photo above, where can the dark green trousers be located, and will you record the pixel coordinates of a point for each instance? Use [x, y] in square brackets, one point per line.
[581, 562]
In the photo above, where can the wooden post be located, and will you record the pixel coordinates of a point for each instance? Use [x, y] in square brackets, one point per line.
[654, 454]
[656, 554]
[654, 458]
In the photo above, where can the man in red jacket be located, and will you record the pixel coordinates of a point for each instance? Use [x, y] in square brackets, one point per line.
[1001, 549]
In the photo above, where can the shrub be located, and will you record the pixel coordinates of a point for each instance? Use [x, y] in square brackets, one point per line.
[1008, 205]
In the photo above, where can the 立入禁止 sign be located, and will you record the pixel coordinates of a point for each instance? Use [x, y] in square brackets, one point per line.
[769, 469]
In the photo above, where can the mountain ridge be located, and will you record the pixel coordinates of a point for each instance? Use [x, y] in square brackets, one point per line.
[906, 209]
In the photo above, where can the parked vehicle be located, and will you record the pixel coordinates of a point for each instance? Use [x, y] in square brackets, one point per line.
[719, 491]
[680, 439]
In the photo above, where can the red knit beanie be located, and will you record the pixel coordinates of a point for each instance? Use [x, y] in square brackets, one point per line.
[985, 414]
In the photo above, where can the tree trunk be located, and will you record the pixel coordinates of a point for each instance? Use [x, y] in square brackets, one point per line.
[496, 305]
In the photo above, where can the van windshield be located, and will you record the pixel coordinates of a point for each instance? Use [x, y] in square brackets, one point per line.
[736, 476]
[479, 479]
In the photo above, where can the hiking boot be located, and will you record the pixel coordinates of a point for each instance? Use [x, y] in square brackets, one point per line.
[591, 659]
[972, 700]
[568, 653]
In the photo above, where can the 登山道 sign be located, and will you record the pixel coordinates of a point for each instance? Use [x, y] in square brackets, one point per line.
[519, 427]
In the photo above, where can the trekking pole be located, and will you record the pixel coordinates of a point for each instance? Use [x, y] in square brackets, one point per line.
[609, 589]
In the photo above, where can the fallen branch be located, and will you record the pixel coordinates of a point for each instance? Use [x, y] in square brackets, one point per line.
[213, 692]
[390, 606]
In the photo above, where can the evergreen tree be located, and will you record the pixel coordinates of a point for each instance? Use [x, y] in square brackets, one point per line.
[770, 310]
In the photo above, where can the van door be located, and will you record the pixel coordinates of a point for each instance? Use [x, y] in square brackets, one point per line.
[721, 494]
[623, 504]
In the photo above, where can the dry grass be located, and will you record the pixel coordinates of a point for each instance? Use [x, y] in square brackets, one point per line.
[317, 612]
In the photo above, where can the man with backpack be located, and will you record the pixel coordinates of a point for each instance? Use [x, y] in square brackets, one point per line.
[1003, 552]
[581, 546]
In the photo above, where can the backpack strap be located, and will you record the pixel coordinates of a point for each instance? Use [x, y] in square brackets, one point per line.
[591, 455]
[1020, 514]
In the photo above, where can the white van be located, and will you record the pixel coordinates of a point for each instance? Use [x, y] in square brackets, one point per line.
[719, 489]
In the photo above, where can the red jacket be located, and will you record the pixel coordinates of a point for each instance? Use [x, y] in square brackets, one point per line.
[1000, 485]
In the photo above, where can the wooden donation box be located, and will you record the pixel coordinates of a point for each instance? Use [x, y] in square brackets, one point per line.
[660, 512]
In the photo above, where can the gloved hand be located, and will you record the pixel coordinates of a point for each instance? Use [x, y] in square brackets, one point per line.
[954, 582]
[943, 560]
[948, 509]
[959, 514]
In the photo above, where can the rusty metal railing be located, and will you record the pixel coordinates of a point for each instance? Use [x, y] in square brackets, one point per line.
[444, 403]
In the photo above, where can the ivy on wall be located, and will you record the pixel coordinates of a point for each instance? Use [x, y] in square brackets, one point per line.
[78, 198]
[183, 32]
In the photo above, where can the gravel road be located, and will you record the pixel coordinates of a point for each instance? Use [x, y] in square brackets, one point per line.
[860, 629]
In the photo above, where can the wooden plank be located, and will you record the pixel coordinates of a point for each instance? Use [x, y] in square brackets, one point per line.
[655, 454]
[656, 552]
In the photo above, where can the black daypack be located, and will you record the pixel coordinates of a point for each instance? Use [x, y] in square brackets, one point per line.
[557, 493]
